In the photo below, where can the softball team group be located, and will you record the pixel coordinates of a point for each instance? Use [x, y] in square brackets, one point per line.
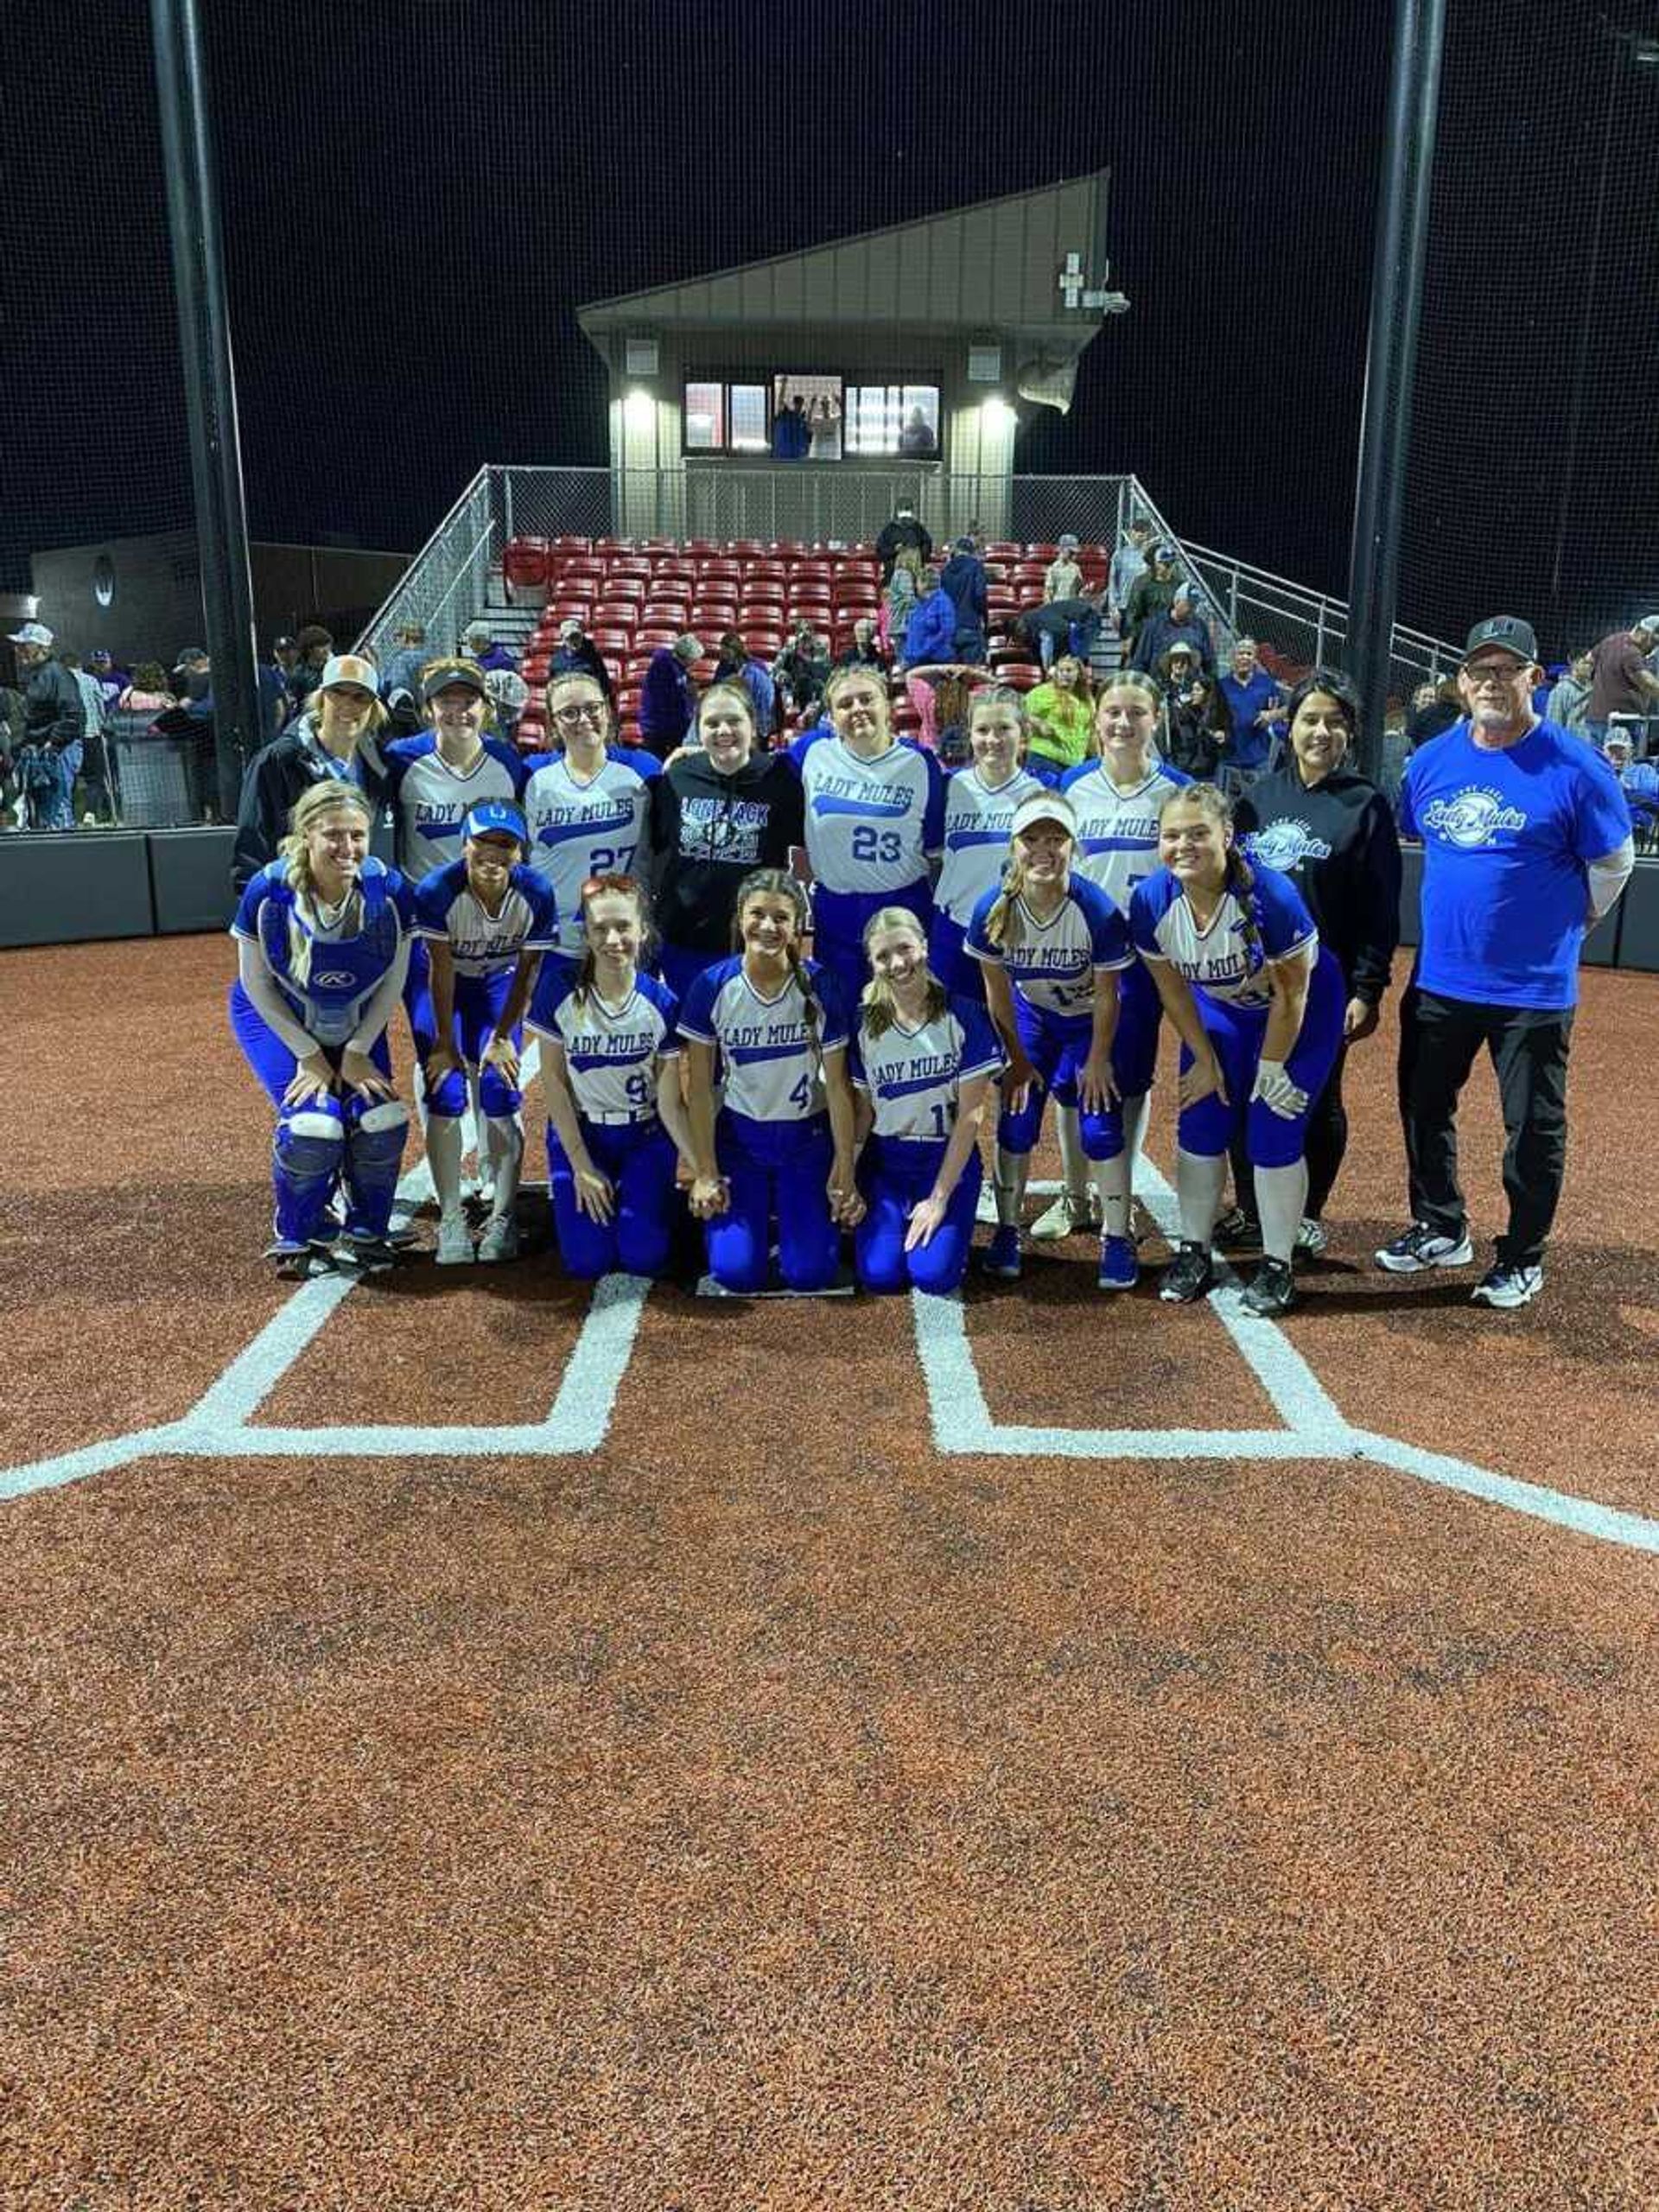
[977, 936]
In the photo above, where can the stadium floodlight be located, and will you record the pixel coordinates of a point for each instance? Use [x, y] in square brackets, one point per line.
[639, 410]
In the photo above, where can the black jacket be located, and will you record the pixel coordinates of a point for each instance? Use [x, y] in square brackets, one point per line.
[1339, 845]
[893, 537]
[707, 830]
[54, 714]
[271, 782]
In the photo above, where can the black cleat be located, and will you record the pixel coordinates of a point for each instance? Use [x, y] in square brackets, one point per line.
[1273, 1291]
[1188, 1275]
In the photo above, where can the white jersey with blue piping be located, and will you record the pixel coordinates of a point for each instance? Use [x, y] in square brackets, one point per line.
[611, 1051]
[1052, 964]
[914, 1077]
[482, 944]
[578, 830]
[870, 824]
[430, 800]
[1222, 959]
[1117, 831]
[337, 974]
[771, 1062]
[978, 820]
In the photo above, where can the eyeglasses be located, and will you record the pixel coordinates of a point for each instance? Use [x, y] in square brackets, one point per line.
[1492, 671]
[589, 711]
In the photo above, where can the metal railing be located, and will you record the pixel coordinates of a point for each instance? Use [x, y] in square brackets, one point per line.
[447, 584]
[1307, 626]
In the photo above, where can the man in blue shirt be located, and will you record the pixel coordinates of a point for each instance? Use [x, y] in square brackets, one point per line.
[1526, 845]
[1252, 699]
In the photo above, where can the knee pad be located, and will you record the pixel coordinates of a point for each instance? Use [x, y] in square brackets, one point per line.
[497, 1099]
[378, 1134]
[309, 1142]
[449, 1102]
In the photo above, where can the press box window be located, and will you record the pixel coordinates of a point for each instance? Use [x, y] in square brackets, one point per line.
[893, 418]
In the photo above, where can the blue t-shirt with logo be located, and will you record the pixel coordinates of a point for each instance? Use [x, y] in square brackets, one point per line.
[1508, 838]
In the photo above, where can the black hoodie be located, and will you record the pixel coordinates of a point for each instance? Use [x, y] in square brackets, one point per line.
[708, 831]
[1338, 844]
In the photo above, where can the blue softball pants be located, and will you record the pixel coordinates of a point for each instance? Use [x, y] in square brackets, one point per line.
[479, 1002]
[306, 1177]
[1057, 1046]
[1236, 1034]
[895, 1175]
[639, 1159]
[777, 1172]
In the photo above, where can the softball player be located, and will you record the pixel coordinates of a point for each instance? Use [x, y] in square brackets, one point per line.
[1053, 945]
[1118, 798]
[980, 802]
[1258, 1005]
[323, 935]
[615, 1123]
[586, 805]
[779, 1159]
[488, 921]
[922, 1065]
[874, 818]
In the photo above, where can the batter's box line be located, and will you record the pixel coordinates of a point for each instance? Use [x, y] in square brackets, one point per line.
[1314, 1428]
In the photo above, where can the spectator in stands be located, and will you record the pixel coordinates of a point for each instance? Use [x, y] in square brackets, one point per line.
[904, 589]
[1063, 578]
[111, 681]
[11, 736]
[1060, 715]
[1151, 594]
[929, 652]
[1180, 624]
[1065, 625]
[508, 694]
[335, 736]
[400, 679]
[54, 720]
[95, 796]
[285, 658]
[576, 654]
[917, 440]
[1195, 719]
[1253, 701]
[1621, 681]
[737, 665]
[481, 646]
[715, 813]
[1129, 566]
[1568, 704]
[149, 693]
[1525, 844]
[792, 432]
[904, 530]
[1639, 781]
[802, 670]
[667, 701]
[963, 582]
[1434, 708]
[316, 650]
[1320, 822]
[866, 649]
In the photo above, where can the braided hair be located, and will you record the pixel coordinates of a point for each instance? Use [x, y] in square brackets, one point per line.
[779, 882]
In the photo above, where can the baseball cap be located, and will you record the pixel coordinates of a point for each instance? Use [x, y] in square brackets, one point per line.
[1646, 622]
[443, 673]
[1508, 632]
[1165, 551]
[189, 654]
[1066, 542]
[350, 668]
[477, 630]
[99, 658]
[1045, 806]
[283, 645]
[1621, 738]
[31, 634]
[1181, 649]
[496, 817]
[570, 626]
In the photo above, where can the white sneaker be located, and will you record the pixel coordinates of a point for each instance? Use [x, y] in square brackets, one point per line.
[1068, 1216]
[454, 1242]
[499, 1240]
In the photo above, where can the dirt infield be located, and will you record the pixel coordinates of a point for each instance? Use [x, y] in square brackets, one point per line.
[802, 1797]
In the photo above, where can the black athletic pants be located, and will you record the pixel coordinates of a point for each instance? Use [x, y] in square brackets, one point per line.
[1440, 1039]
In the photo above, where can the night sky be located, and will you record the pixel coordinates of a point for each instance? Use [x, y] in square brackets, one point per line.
[419, 193]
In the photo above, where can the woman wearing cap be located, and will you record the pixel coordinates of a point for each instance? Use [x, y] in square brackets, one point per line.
[875, 821]
[718, 810]
[1334, 835]
[334, 740]
[1053, 945]
[1063, 578]
[488, 921]
[433, 780]
[1258, 1003]
[585, 803]
[1195, 715]
[1060, 715]
[322, 940]
[776, 1162]
[616, 1126]
[922, 1068]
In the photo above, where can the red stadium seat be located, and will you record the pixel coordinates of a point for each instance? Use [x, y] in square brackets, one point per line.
[572, 544]
[786, 549]
[659, 545]
[815, 569]
[559, 608]
[625, 586]
[631, 567]
[634, 669]
[623, 616]
[765, 591]
[1043, 553]
[654, 634]
[713, 614]
[1025, 675]
[614, 545]
[533, 667]
[773, 571]
[722, 567]
[524, 570]
[666, 610]
[627, 701]
[747, 548]
[765, 645]
[677, 569]
[702, 673]
[581, 565]
[612, 641]
[701, 547]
